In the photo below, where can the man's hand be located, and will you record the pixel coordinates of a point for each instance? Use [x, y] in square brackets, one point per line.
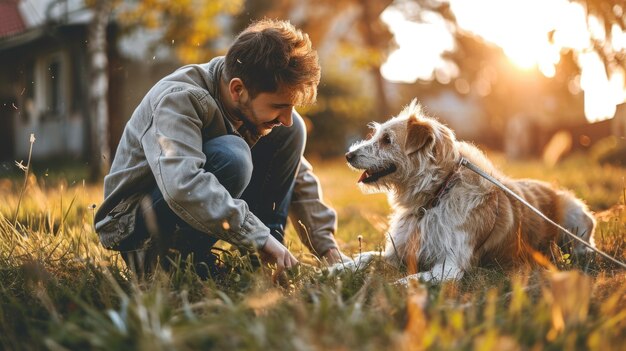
[275, 252]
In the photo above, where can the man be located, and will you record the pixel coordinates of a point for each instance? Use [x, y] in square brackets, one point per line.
[215, 151]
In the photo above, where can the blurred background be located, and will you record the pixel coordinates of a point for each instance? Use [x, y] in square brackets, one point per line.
[533, 79]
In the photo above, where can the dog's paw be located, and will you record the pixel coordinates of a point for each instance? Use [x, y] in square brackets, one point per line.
[422, 277]
[358, 263]
[408, 281]
[345, 265]
[418, 278]
[411, 279]
[432, 277]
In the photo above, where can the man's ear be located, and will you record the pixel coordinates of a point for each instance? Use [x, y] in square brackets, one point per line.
[236, 89]
[418, 135]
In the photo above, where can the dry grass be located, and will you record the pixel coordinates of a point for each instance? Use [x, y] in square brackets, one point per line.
[59, 289]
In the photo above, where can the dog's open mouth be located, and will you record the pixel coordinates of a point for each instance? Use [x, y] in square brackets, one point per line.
[370, 176]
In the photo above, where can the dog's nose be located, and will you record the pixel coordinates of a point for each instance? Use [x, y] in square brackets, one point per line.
[349, 156]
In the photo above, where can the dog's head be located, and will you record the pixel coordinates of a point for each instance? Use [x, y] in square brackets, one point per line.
[407, 150]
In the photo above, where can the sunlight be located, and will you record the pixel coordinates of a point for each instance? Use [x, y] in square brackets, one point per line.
[595, 84]
[618, 38]
[420, 48]
[532, 34]
[526, 45]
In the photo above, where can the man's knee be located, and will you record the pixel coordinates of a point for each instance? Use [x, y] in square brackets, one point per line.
[229, 159]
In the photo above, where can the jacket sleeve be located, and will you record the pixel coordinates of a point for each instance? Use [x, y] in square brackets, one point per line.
[313, 220]
[173, 149]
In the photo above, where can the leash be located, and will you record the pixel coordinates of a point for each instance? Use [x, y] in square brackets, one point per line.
[466, 163]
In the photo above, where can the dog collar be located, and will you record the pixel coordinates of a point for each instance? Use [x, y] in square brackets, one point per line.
[445, 187]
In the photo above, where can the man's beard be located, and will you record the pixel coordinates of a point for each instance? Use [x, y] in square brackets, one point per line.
[253, 129]
[250, 132]
[247, 123]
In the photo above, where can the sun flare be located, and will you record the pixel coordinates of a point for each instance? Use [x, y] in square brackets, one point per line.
[531, 33]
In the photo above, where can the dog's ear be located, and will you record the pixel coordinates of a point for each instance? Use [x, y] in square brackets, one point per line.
[418, 135]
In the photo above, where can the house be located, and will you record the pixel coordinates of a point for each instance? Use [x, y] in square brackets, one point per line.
[42, 66]
[44, 79]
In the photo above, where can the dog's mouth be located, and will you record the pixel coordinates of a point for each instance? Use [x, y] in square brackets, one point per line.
[370, 176]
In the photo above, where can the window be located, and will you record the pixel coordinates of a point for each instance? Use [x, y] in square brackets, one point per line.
[54, 99]
[51, 86]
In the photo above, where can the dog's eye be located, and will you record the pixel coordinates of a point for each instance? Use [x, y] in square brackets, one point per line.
[386, 139]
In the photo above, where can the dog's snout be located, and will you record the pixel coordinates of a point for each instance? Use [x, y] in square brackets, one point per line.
[350, 156]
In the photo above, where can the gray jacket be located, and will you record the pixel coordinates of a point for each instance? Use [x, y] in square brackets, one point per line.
[162, 144]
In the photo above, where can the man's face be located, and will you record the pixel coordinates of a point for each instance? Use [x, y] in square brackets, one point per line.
[266, 111]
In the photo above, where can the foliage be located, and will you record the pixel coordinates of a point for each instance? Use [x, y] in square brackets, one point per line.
[607, 13]
[610, 13]
[486, 76]
[191, 27]
[348, 34]
[59, 289]
[197, 30]
[339, 112]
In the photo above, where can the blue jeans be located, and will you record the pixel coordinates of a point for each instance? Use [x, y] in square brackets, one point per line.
[263, 176]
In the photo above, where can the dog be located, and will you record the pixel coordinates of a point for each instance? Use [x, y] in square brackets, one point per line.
[446, 218]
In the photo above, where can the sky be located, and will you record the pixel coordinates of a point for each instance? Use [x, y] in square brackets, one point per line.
[520, 28]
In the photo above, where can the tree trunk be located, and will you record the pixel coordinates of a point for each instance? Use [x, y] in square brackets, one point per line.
[368, 17]
[98, 88]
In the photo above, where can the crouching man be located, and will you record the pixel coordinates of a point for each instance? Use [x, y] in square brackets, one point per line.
[215, 152]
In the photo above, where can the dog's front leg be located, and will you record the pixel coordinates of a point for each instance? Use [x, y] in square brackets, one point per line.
[359, 262]
[439, 273]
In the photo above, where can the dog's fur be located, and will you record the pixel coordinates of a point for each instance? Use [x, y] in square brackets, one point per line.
[472, 222]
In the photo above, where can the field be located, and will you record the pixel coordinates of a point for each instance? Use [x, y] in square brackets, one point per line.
[59, 289]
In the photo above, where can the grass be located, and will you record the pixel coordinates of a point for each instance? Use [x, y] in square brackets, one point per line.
[59, 289]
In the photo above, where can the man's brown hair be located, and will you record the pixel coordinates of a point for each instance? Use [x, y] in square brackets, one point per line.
[270, 55]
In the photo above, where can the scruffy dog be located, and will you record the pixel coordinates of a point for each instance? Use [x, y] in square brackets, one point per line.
[446, 218]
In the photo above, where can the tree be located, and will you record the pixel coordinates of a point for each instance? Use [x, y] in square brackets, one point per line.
[365, 40]
[98, 88]
[191, 27]
[509, 90]
[377, 38]
[610, 13]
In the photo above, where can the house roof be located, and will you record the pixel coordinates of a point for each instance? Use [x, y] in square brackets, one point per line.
[11, 21]
[23, 21]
